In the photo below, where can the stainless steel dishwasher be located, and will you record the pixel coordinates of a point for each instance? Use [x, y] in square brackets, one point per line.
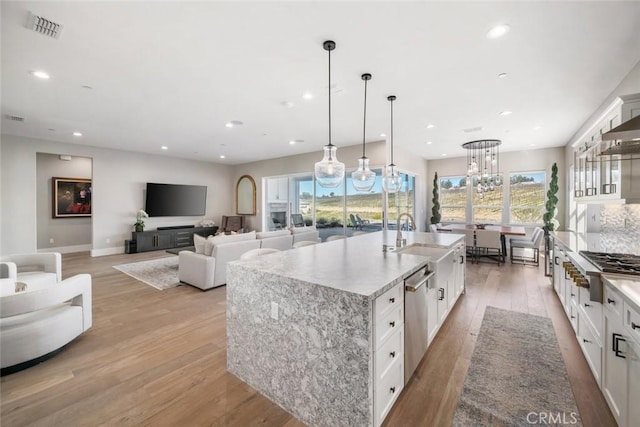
[415, 319]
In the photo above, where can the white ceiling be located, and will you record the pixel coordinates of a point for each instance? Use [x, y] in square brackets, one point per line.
[173, 73]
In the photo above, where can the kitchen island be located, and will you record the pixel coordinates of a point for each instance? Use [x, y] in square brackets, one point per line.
[319, 330]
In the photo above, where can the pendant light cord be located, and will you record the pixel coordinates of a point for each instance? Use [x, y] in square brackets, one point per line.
[330, 144]
[392, 134]
[364, 121]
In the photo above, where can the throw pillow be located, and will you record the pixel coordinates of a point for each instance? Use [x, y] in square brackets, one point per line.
[199, 242]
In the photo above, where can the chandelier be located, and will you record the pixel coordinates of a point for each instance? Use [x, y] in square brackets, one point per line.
[483, 164]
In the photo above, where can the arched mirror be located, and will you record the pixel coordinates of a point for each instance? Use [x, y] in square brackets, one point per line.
[246, 196]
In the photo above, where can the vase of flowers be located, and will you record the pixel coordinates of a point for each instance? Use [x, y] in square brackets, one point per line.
[139, 225]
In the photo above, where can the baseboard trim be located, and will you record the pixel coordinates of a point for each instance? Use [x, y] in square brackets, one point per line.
[67, 249]
[107, 251]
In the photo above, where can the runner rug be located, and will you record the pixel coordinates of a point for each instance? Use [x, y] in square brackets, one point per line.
[517, 376]
[161, 273]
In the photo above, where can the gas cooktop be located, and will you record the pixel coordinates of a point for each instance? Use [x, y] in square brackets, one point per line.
[614, 263]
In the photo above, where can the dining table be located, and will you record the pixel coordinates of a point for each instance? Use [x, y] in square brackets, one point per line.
[505, 230]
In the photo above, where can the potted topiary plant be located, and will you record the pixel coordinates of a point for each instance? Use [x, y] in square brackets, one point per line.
[549, 217]
[435, 210]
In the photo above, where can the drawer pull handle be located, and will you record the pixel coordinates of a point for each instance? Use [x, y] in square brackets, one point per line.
[392, 390]
[392, 354]
[585, 340]
[573, 295]
[587, 305]
[616, 340]
[634, 326]
[392, 300]
[611, 301]
[573, 317]
[392, 324]
[555, 259]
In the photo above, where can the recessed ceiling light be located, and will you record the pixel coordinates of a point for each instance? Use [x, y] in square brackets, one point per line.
[307, 95]
[430, 126]
[498, 31]
[77, 134]
[222, 156]
[502, 75]
[40, 74]
[383, 135]
[296, 141]
[292, 142]
[429, 142]
[233, 123]
[444, 154]
[164, 147]
[537, 127]
[504, 113]
[532, 145]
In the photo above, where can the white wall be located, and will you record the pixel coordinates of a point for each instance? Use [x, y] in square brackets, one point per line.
[520, 161]
[415, 164]
[65, 232]
[349, 155]
[119, 181]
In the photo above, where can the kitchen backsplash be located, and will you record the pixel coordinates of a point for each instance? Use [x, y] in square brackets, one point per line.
[620, 228]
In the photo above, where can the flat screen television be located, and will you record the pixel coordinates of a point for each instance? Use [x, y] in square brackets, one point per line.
[175, 200]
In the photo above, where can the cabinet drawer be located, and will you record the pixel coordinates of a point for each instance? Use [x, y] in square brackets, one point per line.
[632, 321]
[572, 312]
[386, 326]
[592, 311]
[389, 352]
[394, 297]
[591, 348]
[612, 302]
[574, 294]
[387, 390]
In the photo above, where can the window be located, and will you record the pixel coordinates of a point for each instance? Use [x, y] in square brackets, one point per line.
[487, 203]
[527, 195]
[365, 210]
[303, 197]
[329, 205]
[402, 201]
[453, 198]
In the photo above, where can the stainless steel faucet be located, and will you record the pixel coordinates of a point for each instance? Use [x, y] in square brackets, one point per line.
[399, 233]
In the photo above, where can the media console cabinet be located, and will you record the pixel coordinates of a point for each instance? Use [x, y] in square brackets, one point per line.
[167, 238]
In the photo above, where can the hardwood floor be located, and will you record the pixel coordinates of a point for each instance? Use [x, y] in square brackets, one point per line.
[158, 358]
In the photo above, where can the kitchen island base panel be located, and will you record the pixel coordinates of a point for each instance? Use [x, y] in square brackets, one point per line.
[314, 359]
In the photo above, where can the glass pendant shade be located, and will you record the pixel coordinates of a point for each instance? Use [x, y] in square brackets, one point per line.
[392, 181]
[329, 171]
[364, 178]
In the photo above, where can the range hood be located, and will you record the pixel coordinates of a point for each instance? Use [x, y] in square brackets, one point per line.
[626, 137]
[628, 131]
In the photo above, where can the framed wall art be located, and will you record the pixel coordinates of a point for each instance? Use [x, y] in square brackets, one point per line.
[71, 197]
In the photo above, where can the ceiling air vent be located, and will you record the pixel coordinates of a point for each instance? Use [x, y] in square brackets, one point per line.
[44, 26]
[14, 118]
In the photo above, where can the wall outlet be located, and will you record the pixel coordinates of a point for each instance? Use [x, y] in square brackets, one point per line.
[51, 240]
[274, 310]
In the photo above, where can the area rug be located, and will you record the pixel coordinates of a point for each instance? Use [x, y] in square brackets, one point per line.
[517, 376]
[161, 273]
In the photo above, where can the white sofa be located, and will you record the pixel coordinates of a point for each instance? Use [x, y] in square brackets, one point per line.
[206, 268]
[34, 323]
[37, 270]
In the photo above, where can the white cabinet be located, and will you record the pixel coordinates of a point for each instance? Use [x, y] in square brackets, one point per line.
[621, 367]
[277, 190]
[601, 179]
[432, 312]
[388, 356]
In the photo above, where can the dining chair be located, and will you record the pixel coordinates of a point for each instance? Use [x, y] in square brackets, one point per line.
[526, 246]
[470, 243]
[489, 244]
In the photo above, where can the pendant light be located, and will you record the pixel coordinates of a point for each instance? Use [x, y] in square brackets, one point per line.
[483, 164]
[391, 182]
[329, 171]
[364, 178]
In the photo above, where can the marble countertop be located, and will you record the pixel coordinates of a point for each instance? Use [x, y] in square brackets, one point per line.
[356, 264]
[629, 287]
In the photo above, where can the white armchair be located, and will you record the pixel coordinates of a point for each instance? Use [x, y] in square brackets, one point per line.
[36, 323]
[37, 270]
